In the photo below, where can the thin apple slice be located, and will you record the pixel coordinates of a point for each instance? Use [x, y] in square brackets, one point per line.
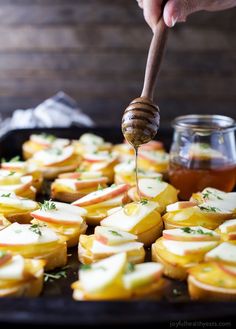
[101, 195]
[96, 277]
[101, 249]
[225, 252]
[23, 184]
[112, 236]
[193, 233]
[82, 175]
[16, 165]
[154, 156]
[53, 156]
[183, 248]
[61, 213]
[180, 205]
[229, 269]
[86, 183]
[228, 226]
[25, 234]
[142, 274]
[152, 146]
[4, 257]
[13, 269]
[98, 156]
[47, 140]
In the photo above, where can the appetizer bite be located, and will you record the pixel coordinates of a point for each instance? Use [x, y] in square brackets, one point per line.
[13, 182]
[15, 208]
[124, 151]
[108, 241]
[189, 213]
[91, 143]
[24, 168]
[153, 160]
[54, 161]
[99, 202]
[227, 230]
[114, 278]
[69, 187]
[19, 276]
[180, 249]
[216, 278]
[102, 161]
[156, 190]
[66, 220]
[140, 218]
[34, 241]
[125, 173]
[39, 142]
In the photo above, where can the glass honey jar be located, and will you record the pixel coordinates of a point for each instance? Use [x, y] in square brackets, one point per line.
[203, 154]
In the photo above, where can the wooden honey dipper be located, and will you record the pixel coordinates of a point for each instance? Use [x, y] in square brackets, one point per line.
[141, 118]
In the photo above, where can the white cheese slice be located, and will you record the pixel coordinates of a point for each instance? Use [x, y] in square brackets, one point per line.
[184, 248]
[218, 206]
[225, 252]
[228, 226]
[22, 234]
[22, 182]
[18, 165]
[194, 231]
[101, 248]
[17, 202]
[113, 202]
[63, 212]
[125, 222]
[151, 187]
[98, 156]
[91, 139]
[53, 156]
[14, 269]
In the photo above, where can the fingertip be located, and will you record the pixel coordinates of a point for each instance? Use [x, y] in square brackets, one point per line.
[171, 13]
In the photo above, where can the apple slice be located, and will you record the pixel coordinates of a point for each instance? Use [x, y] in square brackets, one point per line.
[96, 277]
[154, 156]
[4, 257]
[53, 156]
[101, 249]
[112, 236]
[142, 274]
[180, 205]
[194, 233]
[13, 269]
[152, 146]
[82, 175]
[86, 183]
[25, 234]
[151, 188]
[231, 270]
[101, 195]
[47, 140]
[23, 184]
[62, 214]
[228, 226]
[91, 139]
[225, 252]
[184, 248]
[98, 157]
[16, 165]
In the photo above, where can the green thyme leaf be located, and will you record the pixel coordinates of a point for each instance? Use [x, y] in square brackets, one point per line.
[51, 138]
[144, 202]
[189, 230]
[15, 159]
[6, 195]
[49, 277]
[130, 268]
[115, 233]
[47, 205]
[11, 173]
[209, 209]
[207, 194]
[36, 229]
[85, 267]
[100, 187]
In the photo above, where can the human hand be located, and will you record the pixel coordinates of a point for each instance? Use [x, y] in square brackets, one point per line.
[179, 10]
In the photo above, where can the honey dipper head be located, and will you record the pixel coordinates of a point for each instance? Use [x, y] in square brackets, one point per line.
[140, 121]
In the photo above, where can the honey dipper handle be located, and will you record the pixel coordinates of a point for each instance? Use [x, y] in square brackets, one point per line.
[155, 54]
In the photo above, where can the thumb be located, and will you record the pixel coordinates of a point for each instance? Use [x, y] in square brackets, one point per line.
[152, 12]
[178, 10]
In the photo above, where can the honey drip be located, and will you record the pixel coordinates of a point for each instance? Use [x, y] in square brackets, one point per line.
[136, 171]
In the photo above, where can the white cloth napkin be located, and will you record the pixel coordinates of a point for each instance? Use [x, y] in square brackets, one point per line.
[58, 111]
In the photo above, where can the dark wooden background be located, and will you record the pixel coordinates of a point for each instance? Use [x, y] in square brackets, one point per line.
[95, 50]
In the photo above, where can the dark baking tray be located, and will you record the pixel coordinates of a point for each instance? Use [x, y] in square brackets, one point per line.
[56, 306]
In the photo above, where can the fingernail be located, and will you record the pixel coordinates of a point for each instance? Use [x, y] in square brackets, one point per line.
[174, 19]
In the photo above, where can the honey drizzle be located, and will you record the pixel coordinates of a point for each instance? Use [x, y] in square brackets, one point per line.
[136, 171]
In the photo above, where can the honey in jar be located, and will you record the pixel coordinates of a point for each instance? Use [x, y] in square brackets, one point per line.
[203, 154]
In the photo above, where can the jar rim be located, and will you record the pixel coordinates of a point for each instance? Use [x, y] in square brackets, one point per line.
[204, 122]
